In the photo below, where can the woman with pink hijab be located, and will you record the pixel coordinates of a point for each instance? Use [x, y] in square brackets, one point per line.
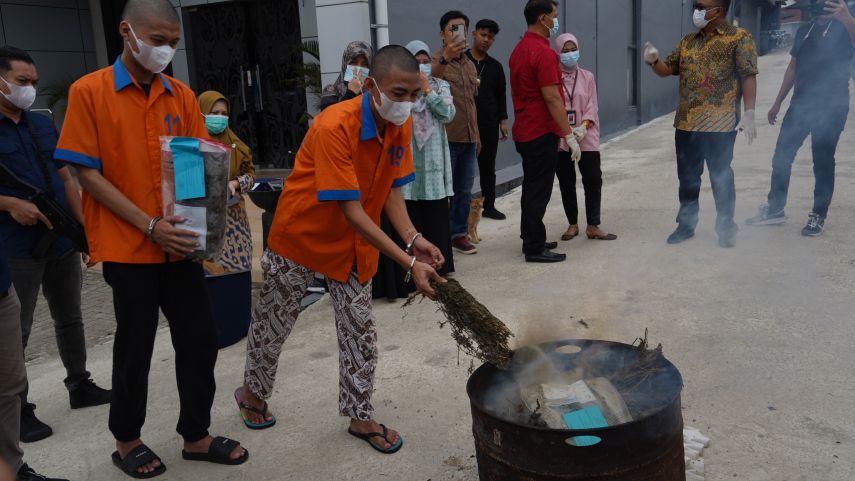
[580, 101]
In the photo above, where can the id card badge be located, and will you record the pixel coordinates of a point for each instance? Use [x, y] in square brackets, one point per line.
[571, 117]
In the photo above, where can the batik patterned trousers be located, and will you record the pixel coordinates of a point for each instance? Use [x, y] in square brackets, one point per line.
[276, 312]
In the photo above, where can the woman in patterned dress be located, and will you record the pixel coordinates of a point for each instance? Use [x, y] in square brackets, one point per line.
[237, 251]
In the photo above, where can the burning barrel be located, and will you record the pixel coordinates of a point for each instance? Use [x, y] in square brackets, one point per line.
[640, 434]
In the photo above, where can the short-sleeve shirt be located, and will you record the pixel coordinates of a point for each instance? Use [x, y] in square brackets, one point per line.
[343, 157]
[533, 65]
[823, 56]
[711, 71]
[113, 126]
[19, 152]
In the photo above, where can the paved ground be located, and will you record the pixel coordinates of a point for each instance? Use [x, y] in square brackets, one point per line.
[762, 334]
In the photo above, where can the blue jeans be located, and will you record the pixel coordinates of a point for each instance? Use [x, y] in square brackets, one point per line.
[463, 174]
[716, 148]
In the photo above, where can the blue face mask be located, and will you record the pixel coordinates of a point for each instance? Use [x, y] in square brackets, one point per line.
[555, 27]
[216, 124]
[570, 59]
[425, 68]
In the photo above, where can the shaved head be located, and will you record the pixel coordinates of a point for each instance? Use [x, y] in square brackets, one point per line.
[391, 57]
[144, 12]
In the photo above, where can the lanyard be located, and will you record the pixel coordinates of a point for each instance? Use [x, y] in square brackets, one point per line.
[575, 83]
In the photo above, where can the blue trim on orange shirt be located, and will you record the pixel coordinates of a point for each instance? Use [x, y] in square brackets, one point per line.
[404, 180]
[77, 158]
[369, 127]
[122, 78]
[328, 195]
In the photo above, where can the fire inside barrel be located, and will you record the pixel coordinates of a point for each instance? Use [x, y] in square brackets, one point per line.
[577, 410]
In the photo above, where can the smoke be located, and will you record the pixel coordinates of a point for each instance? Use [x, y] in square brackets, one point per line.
[629, 382]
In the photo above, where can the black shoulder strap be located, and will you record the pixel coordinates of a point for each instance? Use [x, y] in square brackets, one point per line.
[43, 155]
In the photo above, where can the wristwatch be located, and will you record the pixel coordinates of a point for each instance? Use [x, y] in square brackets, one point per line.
[443, 61]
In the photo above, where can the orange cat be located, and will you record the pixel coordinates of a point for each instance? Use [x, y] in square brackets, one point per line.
[474, 218]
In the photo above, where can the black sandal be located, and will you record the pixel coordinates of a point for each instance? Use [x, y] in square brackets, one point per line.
[262, 412]
[218, 453]
[393, 448]
[137, 458]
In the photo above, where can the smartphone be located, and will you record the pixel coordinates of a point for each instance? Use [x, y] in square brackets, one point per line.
[459, 32]
[817, 8]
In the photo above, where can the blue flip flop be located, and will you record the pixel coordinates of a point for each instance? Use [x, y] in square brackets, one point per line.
[262, 412]
[393, 448]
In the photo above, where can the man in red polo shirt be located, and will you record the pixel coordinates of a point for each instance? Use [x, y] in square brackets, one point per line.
[350, 168]
[540, 123]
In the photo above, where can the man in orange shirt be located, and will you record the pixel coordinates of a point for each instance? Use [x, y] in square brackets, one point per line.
[350, 168]
[111, 134]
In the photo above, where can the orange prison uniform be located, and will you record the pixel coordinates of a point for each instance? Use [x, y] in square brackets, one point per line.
[111, 125]
[342, 158]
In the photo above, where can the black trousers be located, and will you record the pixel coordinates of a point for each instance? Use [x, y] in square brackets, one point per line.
[389, 282]
[592, 181]
[430, 217]
[693, 148]
[539, 158]
[824, 127]
[179, 290]
[487, 161]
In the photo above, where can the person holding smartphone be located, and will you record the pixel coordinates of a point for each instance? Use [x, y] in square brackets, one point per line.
[818, 74]
[464, 139]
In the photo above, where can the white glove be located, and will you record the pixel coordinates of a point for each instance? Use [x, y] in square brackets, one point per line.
[748, 126]
[651, 54]
[575, 150]
[580, 132]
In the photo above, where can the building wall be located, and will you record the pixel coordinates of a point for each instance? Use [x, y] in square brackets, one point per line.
[66, 53]
[604, 30]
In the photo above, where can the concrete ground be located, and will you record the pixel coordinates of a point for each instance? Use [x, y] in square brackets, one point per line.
[762, 334]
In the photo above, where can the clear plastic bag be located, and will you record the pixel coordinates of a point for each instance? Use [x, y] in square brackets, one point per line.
[206, 215]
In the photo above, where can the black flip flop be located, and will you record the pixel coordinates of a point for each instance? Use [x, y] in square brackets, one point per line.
[262, 412]
[136, 458]
[393, 448]
[218, 453]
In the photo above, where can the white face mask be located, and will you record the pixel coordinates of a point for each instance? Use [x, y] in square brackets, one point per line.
[392, 111]
[153, 59]
[699, 18]
[21, 96]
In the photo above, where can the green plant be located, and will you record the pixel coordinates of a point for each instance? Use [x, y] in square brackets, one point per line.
[57, 94]
[307, 74]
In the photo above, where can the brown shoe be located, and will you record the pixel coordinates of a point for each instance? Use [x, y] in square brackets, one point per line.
[572, 232]
[463, 246]
[594, 232]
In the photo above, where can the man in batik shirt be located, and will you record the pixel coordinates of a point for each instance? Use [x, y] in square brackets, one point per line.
[717, 66]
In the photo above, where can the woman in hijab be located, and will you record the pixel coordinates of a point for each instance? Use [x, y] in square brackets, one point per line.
[427, 197]
[355, 65]
[237, 251]
[580, 101]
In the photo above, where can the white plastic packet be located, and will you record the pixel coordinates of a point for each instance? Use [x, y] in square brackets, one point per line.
[206, 214]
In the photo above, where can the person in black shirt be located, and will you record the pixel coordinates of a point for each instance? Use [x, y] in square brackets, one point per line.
[492, 110]
[819, 74]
